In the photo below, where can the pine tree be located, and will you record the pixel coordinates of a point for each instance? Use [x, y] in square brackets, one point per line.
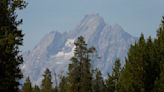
[133, 74]
[152, 66]
[144, 67]
[36, 89]
[11, 38]
[74, 76]
[98, 83]
[79, 75]
[86, 75]
[110, 85]
[55, 89]
[112, 81]
[27, 86]
[159, 83]
[63, 86]
[141, 67]
[46, 85]
[116, 74]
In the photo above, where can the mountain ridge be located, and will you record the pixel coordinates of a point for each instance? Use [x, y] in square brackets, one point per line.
[56, 48]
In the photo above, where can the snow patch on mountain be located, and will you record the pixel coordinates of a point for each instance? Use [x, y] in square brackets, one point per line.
[68, 49]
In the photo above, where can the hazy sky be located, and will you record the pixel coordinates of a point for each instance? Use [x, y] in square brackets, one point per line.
[43, 16]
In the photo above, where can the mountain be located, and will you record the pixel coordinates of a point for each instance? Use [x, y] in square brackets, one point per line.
[55, 49]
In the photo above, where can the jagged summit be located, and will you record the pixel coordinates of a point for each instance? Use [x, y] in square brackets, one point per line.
[89, 25]
[92, 20]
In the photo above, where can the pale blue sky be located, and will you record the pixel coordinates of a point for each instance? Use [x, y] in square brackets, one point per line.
[43, 16]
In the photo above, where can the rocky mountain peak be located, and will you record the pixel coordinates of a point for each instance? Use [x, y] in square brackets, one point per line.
[55, 49]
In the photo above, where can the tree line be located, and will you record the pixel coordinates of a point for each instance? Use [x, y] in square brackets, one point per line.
[143, 70]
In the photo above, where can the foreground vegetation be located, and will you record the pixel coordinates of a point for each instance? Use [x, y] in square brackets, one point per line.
[11, 38]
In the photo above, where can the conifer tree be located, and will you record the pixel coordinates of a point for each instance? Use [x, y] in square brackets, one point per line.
[86, 75]
[159, 83]
[79, 75]
[116, 73]
[46, 85]
[55, 89]
[27, 86]
[110, 85]
[36, 89]
[144, 67]
[112, 82]
[63, 86]
[151, 65]
[133, 74]
[98, 83]
[11, 38]
[141, 67]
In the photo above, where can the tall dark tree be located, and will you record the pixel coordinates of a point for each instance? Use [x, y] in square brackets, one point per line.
[46, 85]
[133, 74]
[80, 76]
[98, 82]
[151, 66]
[27, 86]
[36, 89]
[11, 38]
[110, 85]
[112, 82]
[55, 89]
[159, 84]
[63, 86]
[74, 76]
[142, 66]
